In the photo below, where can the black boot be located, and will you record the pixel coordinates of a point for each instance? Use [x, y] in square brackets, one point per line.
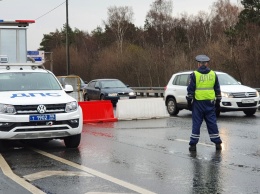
[218, 146]
[192, 147]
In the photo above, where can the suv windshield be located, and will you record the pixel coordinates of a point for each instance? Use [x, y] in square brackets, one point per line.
[22, 81]
[225, 79]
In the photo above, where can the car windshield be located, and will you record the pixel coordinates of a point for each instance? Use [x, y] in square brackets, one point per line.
[112, 84]
[28, 81]
[225, 79]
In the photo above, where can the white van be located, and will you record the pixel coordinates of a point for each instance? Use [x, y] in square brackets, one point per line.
[34, 105]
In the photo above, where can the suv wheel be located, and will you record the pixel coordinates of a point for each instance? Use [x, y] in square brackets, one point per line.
[172, 107]
[3, 146]
[72, 141]
[249, 112]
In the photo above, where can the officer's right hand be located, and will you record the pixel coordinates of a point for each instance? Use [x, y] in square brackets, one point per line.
[189, 105]
[189, 101]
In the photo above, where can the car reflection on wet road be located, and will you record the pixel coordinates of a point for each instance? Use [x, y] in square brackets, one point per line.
[146, 156]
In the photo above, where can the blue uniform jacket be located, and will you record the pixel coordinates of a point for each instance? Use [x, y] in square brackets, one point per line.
[192, 83]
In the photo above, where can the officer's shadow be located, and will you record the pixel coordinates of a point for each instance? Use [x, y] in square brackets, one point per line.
[206, 174]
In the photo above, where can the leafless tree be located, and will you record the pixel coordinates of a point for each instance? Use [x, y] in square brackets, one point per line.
[149, 56]
[160, 17]
[118, 20]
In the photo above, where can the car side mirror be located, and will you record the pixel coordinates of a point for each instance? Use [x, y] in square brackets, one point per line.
[96, 87]
[68, 88]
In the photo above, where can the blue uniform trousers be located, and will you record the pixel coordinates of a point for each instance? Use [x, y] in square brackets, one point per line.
[204, 109]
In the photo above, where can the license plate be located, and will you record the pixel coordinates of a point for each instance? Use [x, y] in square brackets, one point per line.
[45, 117]
[123, 98]
[246, 101]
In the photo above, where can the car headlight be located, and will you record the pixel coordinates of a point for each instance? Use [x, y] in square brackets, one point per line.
[257, 94]
[112, 94]
[131, 94]
[71, 106]
[227, 95]
[7, 109]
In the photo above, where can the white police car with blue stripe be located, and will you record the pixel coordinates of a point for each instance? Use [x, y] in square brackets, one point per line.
[34, 105]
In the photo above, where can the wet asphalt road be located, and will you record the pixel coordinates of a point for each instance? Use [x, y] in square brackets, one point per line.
[141, 156]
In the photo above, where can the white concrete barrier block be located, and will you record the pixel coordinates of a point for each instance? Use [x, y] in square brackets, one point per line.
[141, 109]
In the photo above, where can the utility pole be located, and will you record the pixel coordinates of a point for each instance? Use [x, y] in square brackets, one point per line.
[51, 60]
[67, 39]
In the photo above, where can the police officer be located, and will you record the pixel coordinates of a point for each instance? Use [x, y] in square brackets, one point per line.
[203, 98]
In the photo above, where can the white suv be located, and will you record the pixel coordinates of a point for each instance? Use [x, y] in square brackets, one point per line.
[33, 105]
[235, 97]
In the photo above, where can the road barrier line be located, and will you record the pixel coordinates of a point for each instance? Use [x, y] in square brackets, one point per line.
[97, 111]
[9, 173]
[94, 172]
[147, 108]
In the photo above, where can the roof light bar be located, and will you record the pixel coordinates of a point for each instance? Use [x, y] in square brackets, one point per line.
[25, 21]
[19, 23]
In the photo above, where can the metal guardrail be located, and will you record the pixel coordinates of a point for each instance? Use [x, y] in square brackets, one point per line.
[154, 91]
[149, 91]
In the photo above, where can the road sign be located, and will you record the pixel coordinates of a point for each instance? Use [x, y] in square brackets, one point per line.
[38, 56]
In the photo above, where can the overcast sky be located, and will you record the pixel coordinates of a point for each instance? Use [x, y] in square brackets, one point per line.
[85, 15]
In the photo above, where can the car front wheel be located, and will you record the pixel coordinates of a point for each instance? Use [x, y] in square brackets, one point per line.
[72, 141]
[172, 107]
[249, 112]
[86, 98]
[102, 97]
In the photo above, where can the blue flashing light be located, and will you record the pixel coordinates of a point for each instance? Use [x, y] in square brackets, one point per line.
[1, 20]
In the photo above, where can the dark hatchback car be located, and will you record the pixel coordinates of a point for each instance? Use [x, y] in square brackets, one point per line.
[107, 89]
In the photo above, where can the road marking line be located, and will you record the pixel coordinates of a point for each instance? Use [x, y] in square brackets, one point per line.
[183, 140]
[96, 173]
[105, 193]
[9, 173]
[48, 173]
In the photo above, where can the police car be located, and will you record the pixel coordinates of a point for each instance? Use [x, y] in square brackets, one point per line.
[34, 105]
[235, 97]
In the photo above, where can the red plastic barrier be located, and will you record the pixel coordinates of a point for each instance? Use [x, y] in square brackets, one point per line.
[97, 111]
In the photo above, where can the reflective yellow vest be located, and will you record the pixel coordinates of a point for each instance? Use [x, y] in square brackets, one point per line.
[205, 85]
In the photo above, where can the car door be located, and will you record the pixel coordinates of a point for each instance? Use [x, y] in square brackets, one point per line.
[90, 90]
[96, 91]
[180, 85]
